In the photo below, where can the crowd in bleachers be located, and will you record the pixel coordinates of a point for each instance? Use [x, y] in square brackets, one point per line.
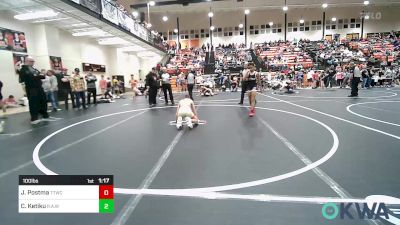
[304, 63]
[185, 59]
[277, 55]
[375, 51]
[338, 76]
[327, 63]
[231, 56]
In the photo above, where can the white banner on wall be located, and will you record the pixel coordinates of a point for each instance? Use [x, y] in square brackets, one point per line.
[122, 19]
[110, 11]
[130, 23]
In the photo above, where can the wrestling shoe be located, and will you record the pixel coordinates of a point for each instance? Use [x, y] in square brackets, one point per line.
[189, 122]
[252, 112]
[179, 123]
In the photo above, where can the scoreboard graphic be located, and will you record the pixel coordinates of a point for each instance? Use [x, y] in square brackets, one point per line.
[66, 194]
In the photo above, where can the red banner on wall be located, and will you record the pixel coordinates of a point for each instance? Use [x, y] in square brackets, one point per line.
[12, 40]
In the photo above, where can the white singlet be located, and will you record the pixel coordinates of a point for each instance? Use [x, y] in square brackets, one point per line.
[185, 109]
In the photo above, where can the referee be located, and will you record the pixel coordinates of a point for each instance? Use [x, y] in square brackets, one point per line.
[355, 79]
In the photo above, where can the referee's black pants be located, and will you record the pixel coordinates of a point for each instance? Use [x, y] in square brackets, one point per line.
[354, 86]
[167, 88]
[244, 89]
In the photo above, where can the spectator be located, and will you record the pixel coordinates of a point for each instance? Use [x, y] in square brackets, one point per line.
[134, 86]
[339, 78]
[132, 82]
[330, 76]
[310, 78]
[91, 87]
[121, 85]
[365, 78]
[9, 102]
[107, 93]
[64, 88]
[103, 85]
[50, 87]
[78, 88]
[115, 87]
[346, 79]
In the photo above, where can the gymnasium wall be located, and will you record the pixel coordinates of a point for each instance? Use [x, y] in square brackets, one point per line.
[382, 19]
[44, 41]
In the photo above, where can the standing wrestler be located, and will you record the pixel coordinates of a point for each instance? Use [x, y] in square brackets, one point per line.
[252, 77]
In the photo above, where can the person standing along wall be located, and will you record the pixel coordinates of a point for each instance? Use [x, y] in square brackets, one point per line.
[64, 88]
[103, 85]
[50, 86]
[78, 88]
[54, 89]
[34, 90]
[91, 87]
